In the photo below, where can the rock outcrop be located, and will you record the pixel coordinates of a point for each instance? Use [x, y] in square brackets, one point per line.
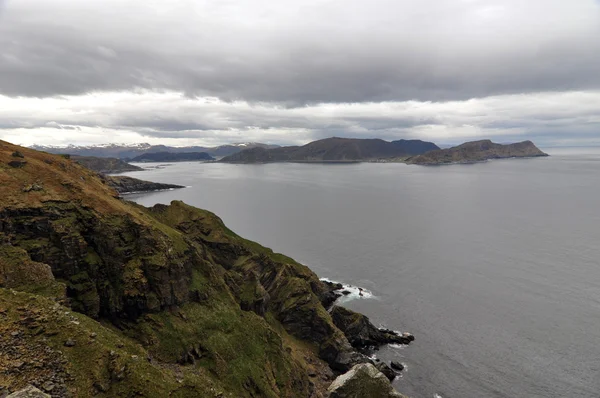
[361, 333]
[124, 185]
[362, 381]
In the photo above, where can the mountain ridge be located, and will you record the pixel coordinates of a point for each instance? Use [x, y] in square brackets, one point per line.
[335, 149]
[128, 151]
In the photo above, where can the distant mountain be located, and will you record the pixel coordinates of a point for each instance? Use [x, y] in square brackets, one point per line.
[477, 151]
[415, 147]
[173, 157]
[334, 150]
[104, 165]
[129, 151]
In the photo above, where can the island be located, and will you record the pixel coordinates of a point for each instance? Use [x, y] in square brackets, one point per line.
[104, 165]
[477, 151]
[100, 296]
[335, 150]
[173, 157]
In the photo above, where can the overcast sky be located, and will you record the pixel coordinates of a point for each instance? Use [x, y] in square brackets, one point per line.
[186, 72]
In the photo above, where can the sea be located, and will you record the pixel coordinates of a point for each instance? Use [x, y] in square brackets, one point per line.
[494, 266]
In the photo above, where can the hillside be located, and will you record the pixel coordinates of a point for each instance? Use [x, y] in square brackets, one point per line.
[334, 150]
[173, 157]
[477, 151]
[100, 296]
[105, 165]
[131, 151]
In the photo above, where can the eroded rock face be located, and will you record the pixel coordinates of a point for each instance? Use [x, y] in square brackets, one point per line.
[362, 381]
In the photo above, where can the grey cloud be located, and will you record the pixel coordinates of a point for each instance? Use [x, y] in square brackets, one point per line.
[296, 52]
[103, 117]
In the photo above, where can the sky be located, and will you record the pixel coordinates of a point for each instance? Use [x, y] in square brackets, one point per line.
[202, 72]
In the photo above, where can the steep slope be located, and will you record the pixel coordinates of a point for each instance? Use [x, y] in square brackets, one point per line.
[477, 151]
[173, 157]
[105, 165]
[115, 299]
[334, 150]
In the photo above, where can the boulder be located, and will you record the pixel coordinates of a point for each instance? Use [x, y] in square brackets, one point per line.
[17, 164]
[362, 381]
[29, 392]
[397, 366]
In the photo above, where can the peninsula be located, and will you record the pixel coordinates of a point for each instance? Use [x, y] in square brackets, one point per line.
[101, 296]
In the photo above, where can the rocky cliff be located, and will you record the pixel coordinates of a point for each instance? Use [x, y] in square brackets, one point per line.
[477, 151]
[99, 296]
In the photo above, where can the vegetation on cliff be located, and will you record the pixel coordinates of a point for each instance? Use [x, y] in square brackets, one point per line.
[100, 296]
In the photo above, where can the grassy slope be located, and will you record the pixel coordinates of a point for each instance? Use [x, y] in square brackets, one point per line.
[168, 283]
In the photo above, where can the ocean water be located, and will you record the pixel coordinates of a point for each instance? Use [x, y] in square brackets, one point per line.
[494, 267]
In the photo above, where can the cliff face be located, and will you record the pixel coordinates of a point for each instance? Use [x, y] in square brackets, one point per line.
[477, 151]
[114, 298]
[334, 150]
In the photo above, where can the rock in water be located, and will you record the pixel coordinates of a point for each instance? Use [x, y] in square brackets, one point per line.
[386, 370]
[29, 392]
[362, 381]
[397, 366]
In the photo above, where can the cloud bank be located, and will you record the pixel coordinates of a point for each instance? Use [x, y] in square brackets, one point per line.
[291, 71]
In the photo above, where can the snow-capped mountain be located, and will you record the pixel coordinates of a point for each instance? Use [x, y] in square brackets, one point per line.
[130, 151]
